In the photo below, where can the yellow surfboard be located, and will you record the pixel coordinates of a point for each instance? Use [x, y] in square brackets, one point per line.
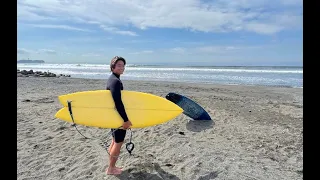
[97, 109]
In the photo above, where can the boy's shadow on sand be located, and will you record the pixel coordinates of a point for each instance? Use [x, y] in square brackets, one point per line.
[152, 171]
[147, 171]
[199, 125]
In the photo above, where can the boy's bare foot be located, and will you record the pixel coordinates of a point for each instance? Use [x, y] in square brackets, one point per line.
[114, 171]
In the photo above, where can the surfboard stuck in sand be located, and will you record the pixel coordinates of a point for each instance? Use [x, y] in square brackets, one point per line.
[96, 108]
[190, 108]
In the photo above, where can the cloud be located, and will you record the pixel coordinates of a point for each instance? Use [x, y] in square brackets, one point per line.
[137, 41]
[117, 31]
[29, 13]
[216, 49]
[91, 55]
[47, 51]
[142, 52]
[83, 40]
[65, 27]
[177, 50]
[23, 51]
[291, 2]
[259, 16]
[211, 49]
[263, 28]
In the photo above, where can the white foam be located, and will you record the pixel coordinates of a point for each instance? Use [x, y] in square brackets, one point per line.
[282, 77]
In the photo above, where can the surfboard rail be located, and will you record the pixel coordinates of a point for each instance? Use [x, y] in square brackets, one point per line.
[96, 108]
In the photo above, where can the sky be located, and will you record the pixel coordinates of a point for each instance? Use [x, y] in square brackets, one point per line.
[197, 32]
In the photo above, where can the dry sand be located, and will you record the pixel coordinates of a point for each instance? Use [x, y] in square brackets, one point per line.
[256, 133]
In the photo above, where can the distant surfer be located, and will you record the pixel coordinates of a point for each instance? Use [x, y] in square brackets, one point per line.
[114, 84]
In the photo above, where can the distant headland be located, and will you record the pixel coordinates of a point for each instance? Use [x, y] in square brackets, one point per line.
[30, 61]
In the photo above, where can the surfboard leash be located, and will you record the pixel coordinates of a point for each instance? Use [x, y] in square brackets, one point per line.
[129, 145]
[74, 124]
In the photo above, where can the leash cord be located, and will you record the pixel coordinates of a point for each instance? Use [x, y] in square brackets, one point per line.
[129, 145]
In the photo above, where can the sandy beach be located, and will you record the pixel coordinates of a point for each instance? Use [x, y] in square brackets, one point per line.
[256, 133]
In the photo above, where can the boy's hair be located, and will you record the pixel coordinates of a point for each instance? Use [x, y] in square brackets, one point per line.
[114, 61]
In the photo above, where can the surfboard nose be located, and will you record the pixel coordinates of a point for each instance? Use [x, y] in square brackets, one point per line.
[173, 97]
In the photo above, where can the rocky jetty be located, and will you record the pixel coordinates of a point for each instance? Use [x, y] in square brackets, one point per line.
[31, 73]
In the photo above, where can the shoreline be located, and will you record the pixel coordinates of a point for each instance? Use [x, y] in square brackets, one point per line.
[180, 82]
[196, 83]
[171, 81]
[256, 132]
[174, 65]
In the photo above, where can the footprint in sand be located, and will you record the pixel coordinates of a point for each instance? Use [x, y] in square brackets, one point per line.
[44, 100]
[41, 100]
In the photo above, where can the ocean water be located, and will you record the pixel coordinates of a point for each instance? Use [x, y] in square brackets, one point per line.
[244, 75]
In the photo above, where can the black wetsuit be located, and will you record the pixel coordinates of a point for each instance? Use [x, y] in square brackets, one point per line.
[114, 84]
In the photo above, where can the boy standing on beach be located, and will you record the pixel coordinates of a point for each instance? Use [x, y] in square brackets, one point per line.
[114, 84]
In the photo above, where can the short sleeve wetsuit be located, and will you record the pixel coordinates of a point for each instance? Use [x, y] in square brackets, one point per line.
[115, 85]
